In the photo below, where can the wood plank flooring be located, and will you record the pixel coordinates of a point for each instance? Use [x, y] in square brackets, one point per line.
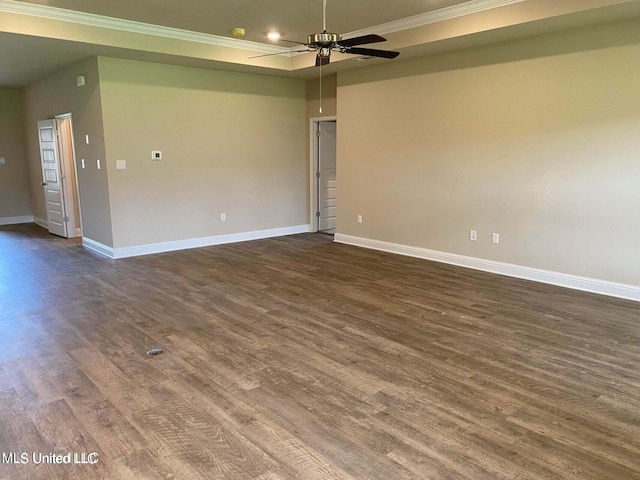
[298, 358]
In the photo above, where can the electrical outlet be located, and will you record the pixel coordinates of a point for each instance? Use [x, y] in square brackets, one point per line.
[223, 217]
[495, 238]
[473, 235]
[156, 155]
[1, 160]
[121, 164]
[359, 218]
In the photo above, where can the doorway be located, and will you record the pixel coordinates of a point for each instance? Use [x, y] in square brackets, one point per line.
[323, 175]
[59, 176]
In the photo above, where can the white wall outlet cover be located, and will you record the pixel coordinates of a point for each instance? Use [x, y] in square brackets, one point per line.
[121, 164]
[495, 238]
[223, 217]
[473, 235]
[80, 81]
[2, 161]
[156, 155]
[359, 218]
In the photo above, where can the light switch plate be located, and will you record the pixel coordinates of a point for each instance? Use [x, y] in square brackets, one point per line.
[121, 164]
[2, 161]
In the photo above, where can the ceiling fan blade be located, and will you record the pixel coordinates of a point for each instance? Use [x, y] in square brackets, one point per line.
[281, 53]
[321, 61]
[350, 42]
[291, 41]
[370, 52]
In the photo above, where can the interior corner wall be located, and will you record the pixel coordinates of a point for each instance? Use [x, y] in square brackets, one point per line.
[231, 143]
[326, 100]
[14, 183]
[57, 95]
[537, 140]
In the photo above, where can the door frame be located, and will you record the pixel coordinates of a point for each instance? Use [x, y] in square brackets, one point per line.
[68, 165]
[313, 168]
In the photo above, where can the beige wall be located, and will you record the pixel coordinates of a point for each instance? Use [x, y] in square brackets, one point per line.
[232, 143]
[14, 183]
[538, 140]
[59, 95]
[329, 85]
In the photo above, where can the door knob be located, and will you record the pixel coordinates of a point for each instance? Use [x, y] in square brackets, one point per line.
[44, 184]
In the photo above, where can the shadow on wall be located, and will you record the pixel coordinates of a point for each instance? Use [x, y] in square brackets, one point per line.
[182, 77]
[539, 46]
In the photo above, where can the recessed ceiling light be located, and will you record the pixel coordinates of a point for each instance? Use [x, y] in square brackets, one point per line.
[238, 32]
[273, 35]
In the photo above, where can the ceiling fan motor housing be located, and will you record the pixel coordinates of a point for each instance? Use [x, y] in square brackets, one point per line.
[323, 39]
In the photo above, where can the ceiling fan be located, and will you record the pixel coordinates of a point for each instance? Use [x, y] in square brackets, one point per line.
[324, 43]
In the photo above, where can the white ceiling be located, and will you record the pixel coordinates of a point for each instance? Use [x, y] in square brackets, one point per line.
[39, 37]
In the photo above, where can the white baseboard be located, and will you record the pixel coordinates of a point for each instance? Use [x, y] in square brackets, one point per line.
[45, 224]
[16, 220]
[148, 249]
[97, 247]
[39, 221]
[603, 287]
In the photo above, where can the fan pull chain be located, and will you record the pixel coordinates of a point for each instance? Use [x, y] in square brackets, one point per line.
[324, 30]
[320, 88]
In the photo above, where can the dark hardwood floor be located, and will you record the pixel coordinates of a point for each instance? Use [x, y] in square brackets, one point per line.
[299, 358]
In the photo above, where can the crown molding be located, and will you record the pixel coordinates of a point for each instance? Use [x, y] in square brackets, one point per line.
[92, 20]
[422, 19]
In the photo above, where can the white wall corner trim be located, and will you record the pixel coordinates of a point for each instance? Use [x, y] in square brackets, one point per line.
[41, 221]
[148, 249]
[602, 287]
[97, 247]
[16, 220]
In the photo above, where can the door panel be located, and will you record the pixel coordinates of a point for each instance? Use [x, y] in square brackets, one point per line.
[51, 179]
[327, 187]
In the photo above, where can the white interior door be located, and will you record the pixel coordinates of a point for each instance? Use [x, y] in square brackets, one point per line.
[327, 176]
[51, 178]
